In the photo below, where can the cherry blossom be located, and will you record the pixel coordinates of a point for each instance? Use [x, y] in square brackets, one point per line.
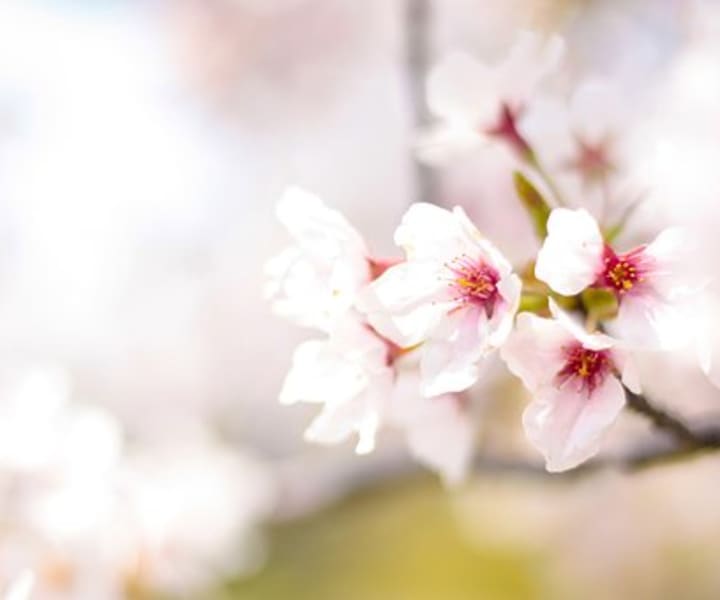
[363, 383]
[475, 101]
[575, 380]
[591, 146]
[596, 124]
[455, 294]
[316, 280]
[649, 281]
[348, 374]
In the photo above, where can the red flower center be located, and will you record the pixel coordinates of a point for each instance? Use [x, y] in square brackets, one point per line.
[592, 160]
[621, 272]
[584, 368]
[506, 129]
[475, 282]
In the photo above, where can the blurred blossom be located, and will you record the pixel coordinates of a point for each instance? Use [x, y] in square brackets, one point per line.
[590, 144]
[246, 54]
[21, 587]
[477, 102]
[193, 509]
[91, 516]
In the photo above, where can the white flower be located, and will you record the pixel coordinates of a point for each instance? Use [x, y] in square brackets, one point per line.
[456, 294]
[348, 374]
[574, 379]
[474, 100]
[316, 280]
[364, 383]
[648, 281]
[585, 137]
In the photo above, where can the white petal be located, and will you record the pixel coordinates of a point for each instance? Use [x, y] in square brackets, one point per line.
[440, 431]
[353, 340]
[313, 225]
[629, 374]
[571, 255]
[533, 351]
[592, 341]
[315, 282]
[443, 439]
[319, 375]
[646, 321]
[446, 142]
[566, 427]
[341, 419]
[532, 58]
[462, 91]
[451, 356]
[428, 232]
[478, 245]
[348, 374]
[310, 292]
[406, 301]
[673, 270]
[337, 368]
[668, 244]
[500, 326]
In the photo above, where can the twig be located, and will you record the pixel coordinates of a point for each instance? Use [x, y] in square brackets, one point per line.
[662, 420]
[417, 32]
[683, 441]
[651, 453]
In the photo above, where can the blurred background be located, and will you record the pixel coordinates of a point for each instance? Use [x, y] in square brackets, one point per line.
[143, 453]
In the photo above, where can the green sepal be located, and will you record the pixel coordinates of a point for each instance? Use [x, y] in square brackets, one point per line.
[613, 231]
[534, 303]
[536, 206]
[600, 303]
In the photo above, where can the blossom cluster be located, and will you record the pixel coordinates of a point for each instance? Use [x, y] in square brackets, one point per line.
[88, 515]
[405, 338]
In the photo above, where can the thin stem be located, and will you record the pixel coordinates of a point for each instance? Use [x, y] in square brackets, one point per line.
[417, 31]
[547, 179]
[649, 454]
[684, 442]
[662, 420]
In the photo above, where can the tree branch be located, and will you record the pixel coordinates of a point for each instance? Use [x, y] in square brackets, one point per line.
[662, 420]
[682, 441]
[417, 35]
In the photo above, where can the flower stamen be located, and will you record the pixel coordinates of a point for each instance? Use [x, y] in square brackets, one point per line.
[584, 368]
[474, 282]
[621, 272]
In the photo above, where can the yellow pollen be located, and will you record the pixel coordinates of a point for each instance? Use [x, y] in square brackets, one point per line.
[474, 285]
[623, 275]
[587, 362]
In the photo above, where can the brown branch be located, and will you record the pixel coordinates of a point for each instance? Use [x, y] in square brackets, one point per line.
[682, 442]
[417, 32]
